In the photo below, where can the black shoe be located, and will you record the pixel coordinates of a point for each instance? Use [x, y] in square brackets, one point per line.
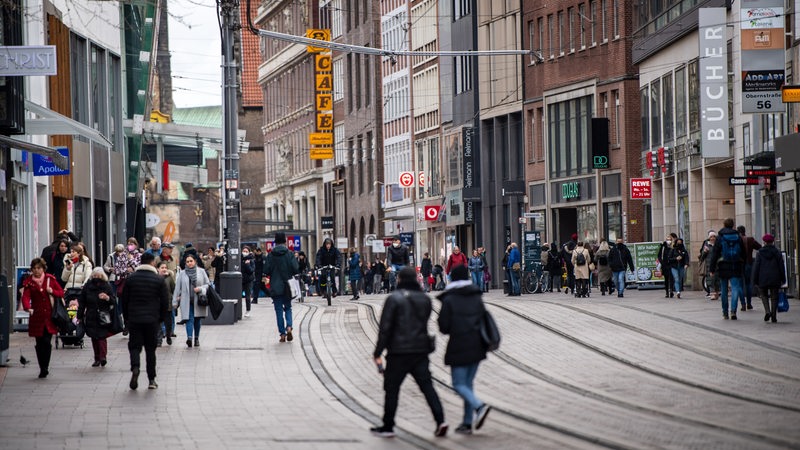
[134, 378]
[480, 415]
[666, 295]
[189, 342]
[169, 340]
[767, 316]
[774, 319]
[160, 343]
[749, 306]
[197, 342]
[619, 295]
[441, 430]
[733, 316]
[464, 429]
[43, 373]
[103, 362]
[96, 364]
[173, 335]
[125, 331]
[671, 294]
[152, 385]
[382, 432]
[725, 316]
[289, 336]
[254, 302]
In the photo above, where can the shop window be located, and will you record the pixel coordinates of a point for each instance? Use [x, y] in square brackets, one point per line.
[612, 220]
[569, 150]
[587, 223]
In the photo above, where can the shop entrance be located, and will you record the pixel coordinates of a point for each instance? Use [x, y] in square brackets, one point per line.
[565, 220]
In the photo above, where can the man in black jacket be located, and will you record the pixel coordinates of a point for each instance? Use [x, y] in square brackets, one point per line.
[769, 274]
[328, 255]
[403, 333]
[619, 258]
[279, 267]
[258, 284]
[145, 304]
[426, 269]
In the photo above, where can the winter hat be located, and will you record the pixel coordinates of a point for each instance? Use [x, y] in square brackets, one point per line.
[712, 233]
[280, 237]
[459, 272]
[768, 238]
[574, 236]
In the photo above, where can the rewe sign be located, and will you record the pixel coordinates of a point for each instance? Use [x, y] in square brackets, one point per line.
[641, 188]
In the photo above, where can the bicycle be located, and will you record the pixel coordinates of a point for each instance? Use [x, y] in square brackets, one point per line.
[537, 280]
[326, 281]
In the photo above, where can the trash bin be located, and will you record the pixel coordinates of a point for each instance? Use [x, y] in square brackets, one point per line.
[230, 290]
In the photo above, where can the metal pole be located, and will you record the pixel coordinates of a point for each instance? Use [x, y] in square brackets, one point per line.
[229, 10]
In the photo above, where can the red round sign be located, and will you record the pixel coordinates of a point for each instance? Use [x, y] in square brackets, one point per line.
[406, 179]
[431, 212]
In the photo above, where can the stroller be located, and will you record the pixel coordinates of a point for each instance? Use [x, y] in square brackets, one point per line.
[72, 334]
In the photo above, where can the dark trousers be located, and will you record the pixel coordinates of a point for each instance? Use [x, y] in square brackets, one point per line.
[747, 288]
[397, 367]
[100, 347]
[769, 297]
[669, 283]
[144, 334]
[44, 348]
[258, 286]
[247, 287]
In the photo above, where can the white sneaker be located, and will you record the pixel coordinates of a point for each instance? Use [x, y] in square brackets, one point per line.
[247, 314]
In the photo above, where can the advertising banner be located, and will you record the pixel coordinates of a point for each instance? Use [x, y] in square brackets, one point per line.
[763, 55]
[644, 256]
[713, 82]
[532, 250]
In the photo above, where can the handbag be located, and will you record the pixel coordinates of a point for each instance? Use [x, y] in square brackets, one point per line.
[202, 300]
[59, 314]
[490, 334]
[104, 318]
[783, 302]
[294, 287]
[214, 303]
[431, 343]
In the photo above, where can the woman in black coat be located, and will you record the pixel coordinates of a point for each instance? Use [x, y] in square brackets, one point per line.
[97, 299]
[769, 275]
[460, 317]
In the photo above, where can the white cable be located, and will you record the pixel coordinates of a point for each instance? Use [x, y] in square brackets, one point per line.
[380, 52]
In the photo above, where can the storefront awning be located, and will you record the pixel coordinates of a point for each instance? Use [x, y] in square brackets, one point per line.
[58, 159]
[51, 123]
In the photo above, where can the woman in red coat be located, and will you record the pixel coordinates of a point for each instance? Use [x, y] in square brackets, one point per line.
[39, 292]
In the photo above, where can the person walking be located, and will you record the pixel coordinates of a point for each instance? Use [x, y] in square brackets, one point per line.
[750, 245]
[457, 258]
[39, 293]
[77, 269]
[554, 267]
[380, 272]
[145, 304]
[207, 258]
[663, 258]
[155, 246]
[258, 274]
[514, 267]
[604, 273]
[96, 309]
[303, 269]
[710, 283]
[354, 272]
[168, 327]
[218, 264]
[403, 334]
[580, 262]
[462, 309]
[190, 284]
[769, 274]
[426, 269]
[476, 269]
[727, 263]
[678, 260]
[279, 267]
[566, 256]
[487, 275]
[619, 258]
[55, 259]
[248, 276]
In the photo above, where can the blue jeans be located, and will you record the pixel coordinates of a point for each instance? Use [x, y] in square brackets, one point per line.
[736, 292]
[477, 279]
[463, 377]
[619, 281]
[193, 325]
[513, 278]
[283, 308]
[678, 273]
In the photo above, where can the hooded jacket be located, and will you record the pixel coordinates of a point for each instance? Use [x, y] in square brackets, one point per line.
[280, 265]
[403, 327]
[768, 268]
[460, 317]
[328, 257]
[619, 257]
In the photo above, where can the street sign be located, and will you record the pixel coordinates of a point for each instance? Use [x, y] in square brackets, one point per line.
[421, 179]
[44, 165]
[407, 239]
[533, 215]
[369, 239]
[523, 220]
[748, 181]
[320, 138]
[406, 179]
[326, 222]
[321, 153]
[432, 212]
[320, 35]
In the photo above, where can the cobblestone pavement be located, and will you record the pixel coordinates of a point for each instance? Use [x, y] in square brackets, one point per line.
[635, 372]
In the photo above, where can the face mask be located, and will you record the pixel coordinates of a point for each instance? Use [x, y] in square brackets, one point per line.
[669, 241]
[396, 245]
[131, 248]
[245, 253]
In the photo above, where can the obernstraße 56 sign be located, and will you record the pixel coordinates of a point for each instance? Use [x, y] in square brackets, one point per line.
[28, 60]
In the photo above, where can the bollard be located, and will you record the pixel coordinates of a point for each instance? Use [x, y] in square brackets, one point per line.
[230, 290]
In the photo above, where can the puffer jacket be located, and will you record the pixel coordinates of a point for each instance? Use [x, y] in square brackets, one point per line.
[145, 299]
[404, 322]
[460, 317]
[76, 276]
[768, 268]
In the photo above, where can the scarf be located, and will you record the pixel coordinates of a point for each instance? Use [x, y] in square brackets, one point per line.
[192, 274]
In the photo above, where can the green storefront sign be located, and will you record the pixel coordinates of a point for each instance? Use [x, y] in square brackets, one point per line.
[570, 190]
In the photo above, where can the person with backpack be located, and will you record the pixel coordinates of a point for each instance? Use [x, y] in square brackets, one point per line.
[663, 258]
[727, 263]
[618, 259]
[750, 244]
[580, 261]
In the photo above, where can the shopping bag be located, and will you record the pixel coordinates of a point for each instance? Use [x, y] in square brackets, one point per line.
[783, 302]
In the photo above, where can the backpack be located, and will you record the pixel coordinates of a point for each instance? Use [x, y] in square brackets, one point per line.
[731, 247]
[603, 260]
[490, 334]
[580, 260]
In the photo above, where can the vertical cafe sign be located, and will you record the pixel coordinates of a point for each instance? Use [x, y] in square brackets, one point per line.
[469, 174]
[713, 82]
[763, 55]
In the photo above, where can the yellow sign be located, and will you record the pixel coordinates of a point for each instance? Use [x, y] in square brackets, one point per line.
[320, 139]
[323, 62]
[320, 35]
[324, 82]
[324, 102]
[324, 122]
[790, 94]
[321, 153]
[169, 232]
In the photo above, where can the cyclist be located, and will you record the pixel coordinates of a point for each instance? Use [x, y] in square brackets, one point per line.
[397, 257]
[328, 255]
